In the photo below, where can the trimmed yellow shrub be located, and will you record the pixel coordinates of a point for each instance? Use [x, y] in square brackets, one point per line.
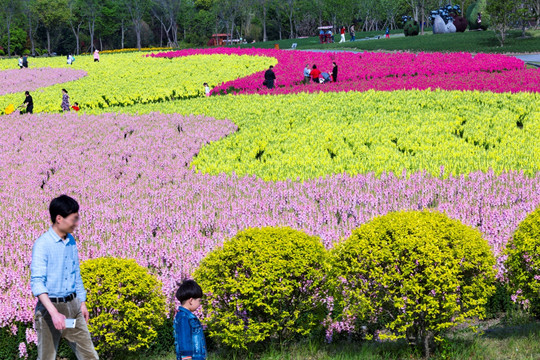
[262, 284]
[125, 302]
[523, 263]
[412, 275]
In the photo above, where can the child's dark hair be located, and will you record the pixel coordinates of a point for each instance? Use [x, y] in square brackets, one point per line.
[27, 93]
[63, 206]
[188, 289]
[314, 66]
[64, 90]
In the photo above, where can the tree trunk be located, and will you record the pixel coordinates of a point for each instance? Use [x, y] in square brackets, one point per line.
[9, 38]
[91, 26]
[31, 34]
[265, 37]
[138, 28]
[291, 35]
[123, 30]
[48, 42]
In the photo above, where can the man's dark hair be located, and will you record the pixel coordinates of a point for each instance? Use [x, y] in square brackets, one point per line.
[271, 67]
[27, 93]
[188, 289]
[63, 206]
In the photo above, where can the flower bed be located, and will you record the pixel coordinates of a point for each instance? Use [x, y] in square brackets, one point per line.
[20, 80]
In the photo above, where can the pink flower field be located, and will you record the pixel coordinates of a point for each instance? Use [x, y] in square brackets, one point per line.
[19, 80]
[140, 199]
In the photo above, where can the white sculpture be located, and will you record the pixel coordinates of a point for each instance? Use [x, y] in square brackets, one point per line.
[439, 26]
[450, 27]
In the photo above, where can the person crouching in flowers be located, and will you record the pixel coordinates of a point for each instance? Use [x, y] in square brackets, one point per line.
[188, 332]
[65, 100]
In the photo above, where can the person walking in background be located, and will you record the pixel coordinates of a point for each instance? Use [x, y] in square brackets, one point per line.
[269, 77]
[307, 70]
[55, 279]
[25, 61]
[206, 89]
[65, 100]
[342, 35]
[315, 74]
[20, 62]
[96, 55]
[334, 71]
[353, 34]
[387, 33]
[188, 331]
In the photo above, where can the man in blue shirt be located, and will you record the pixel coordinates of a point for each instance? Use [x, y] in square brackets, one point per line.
[56, 282]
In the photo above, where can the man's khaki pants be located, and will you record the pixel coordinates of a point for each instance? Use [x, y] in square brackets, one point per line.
[49, 338]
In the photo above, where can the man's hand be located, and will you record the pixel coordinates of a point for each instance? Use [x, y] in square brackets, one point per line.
[85, 312]
[59, 320]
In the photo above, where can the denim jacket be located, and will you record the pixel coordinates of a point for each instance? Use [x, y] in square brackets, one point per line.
[188, 335]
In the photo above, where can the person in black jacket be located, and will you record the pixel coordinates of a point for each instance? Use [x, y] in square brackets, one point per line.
[28, 104]
[334, 72]
[269, 77]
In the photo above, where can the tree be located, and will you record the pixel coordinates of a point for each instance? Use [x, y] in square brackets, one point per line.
[9, 8]
[75, 22]
[91, 11]
[52, 14]
[31, 22]
[137, 9]
[167, 11]
[535, 7]
[502, 14]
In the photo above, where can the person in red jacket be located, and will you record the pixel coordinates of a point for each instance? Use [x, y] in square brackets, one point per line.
[315, 74]
[342, 35]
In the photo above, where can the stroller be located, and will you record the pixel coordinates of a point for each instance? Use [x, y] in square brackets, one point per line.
[325, 78]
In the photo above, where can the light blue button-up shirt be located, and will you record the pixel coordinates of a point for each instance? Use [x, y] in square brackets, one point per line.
[55, 267]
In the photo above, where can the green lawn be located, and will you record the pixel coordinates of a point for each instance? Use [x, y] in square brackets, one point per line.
[470, 41]
[498, 341]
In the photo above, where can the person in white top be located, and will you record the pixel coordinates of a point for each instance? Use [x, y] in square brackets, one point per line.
[206, 89]
[20, 62]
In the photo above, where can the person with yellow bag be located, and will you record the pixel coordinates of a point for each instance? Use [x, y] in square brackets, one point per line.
[28, 103]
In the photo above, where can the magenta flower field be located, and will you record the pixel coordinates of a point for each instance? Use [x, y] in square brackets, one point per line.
[381, 71]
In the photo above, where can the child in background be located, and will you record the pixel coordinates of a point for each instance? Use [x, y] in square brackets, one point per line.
[206, 89]
[188, 332]
[76, 107]
[20, 62]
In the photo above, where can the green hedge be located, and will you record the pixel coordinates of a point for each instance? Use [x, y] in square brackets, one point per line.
[264, 284]
[523, 263]
[413, 275]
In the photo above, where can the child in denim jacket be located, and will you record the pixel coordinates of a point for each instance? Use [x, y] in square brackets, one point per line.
[188, 332]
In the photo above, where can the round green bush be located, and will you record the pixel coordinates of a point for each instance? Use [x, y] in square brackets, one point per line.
[264, 284]
[412, 275]
[472, 15]
[411, 28]
[125, 302]
[523, 263]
